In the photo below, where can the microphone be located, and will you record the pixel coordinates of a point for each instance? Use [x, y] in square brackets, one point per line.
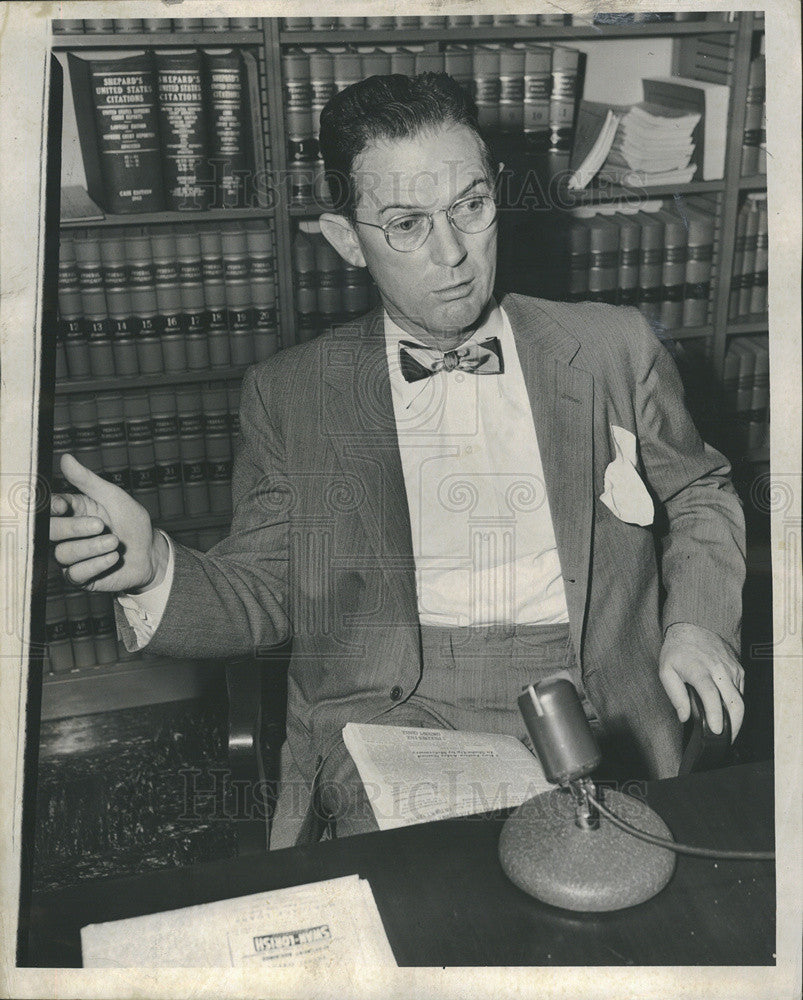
[556, 846]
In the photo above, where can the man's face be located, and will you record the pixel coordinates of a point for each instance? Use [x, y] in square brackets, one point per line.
[438, 292]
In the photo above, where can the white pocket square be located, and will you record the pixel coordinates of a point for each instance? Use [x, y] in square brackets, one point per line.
[625, 494]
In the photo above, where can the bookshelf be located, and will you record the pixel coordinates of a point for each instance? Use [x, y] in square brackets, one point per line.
[707, 49]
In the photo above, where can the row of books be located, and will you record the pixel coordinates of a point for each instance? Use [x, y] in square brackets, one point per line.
[328, 290]
[166, 299]
[754, 141]
[653, 258]
[129, 25]
[472, 20]
[171, 448]
[176, 129]
[746, 389]
[749, 281]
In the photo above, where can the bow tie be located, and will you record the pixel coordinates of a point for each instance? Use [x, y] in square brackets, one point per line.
[419, 362]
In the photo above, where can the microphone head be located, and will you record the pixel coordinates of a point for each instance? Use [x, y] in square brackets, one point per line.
[560, 732]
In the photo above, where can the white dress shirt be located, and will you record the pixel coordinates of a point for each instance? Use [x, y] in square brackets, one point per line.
[483, 540]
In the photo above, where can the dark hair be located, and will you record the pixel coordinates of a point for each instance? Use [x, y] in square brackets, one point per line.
[388, 107]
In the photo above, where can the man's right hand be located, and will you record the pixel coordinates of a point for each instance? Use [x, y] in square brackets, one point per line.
[104, 538]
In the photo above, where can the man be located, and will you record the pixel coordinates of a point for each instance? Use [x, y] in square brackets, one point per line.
[448, 498]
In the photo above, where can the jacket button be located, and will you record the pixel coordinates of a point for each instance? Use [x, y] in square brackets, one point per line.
[395, 693]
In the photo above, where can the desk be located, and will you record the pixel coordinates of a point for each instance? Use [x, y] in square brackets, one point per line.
[445, 900]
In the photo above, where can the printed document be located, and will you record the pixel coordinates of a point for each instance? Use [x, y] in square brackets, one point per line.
[320, 926]
[417, 775]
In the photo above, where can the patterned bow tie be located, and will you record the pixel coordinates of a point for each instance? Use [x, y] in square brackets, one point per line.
[419, 362]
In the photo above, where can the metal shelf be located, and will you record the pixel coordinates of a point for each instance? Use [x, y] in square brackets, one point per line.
[579, 32]
[155, 40]
[755, 182]
[689, 333]
[120, 383]
[161, 218]
[749, 324]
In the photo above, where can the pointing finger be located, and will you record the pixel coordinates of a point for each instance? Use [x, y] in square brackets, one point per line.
[86, 480]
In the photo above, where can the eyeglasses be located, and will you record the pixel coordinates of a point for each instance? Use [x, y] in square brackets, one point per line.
[406, 233]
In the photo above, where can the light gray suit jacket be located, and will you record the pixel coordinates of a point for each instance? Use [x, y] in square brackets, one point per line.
[320, 546]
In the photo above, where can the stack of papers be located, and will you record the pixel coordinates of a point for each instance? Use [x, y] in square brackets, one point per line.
[653, 145]
[416, 775]
[333, 924]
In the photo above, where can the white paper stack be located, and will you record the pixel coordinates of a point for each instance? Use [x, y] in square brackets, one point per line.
[653, 145]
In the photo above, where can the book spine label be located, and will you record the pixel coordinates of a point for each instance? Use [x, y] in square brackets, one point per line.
[183, 129]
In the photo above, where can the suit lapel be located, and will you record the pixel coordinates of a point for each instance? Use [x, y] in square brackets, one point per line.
[561, 399]
[360, 426]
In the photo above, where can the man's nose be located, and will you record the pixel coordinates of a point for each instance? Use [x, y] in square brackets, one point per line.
[445, 245]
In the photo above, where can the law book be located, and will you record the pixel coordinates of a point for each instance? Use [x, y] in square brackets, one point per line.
[758, 420]
[126, 25]
[236, 278]
[511, 89]
[145, 311]
[751, 140]
[673, 271]
[191, 298]
[603, 259]
[141, 456]
[578, 238]
[752, 204]
[118, 302]
[104, 632]
[597, 124]
[113, 445]
[485, 69]
[262, 269]
[737, 272]
[565, 70]
[305, 284]
[166, 451]
[329, 271]
[71, 326]
[183, 128]
[348, 69]
[217, 446]
[374, 61]
[402, 60]
[711, 101]
[214, 290]
[458, 63]
[79, 625]
[629, 244]
[169, 320]
[191, 446]
[301, 146]
[537, 88]
[258, 190]
[420, 775]
[118, 129]
[759, 282]
[322, 84]
[57, 631]
[743, 396]
[93, 305]
[651, 256]
[226, 96]
[699, 258]
[429, 62]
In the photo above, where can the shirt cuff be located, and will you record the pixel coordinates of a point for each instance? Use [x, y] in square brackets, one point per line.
[144, 611]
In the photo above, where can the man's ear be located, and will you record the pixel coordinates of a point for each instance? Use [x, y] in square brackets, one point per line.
[338, 231]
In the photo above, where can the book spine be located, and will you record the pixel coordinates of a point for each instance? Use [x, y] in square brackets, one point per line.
[301, 144]
[603, 259]
[225, 84]
[738, 262]
[169, 320]
[93, 306]
[579, 242]
[79, 623]
[236, 277]
[673, 272]
[127, 130]
[485, 68]
[71, 326]
[214, 291]
[189, 276]
[651, 255]
[191, 445]
[145, 312]
[758, 288]
[629, 243]
[699, 255]
[99, 25]
[458, 63]
[330, 294]
[215, 24]
[183, 130]
[563, 98]
[59, 647]
[155, 24]
[744, 394]
[429, 62]
[760, 398]
[118, 302]
[166, 451]
[104, 633]
[113, 446]
[233, 399]
[141, 456]
[217, 447]
[127, 25]
[259, 243]
[537, 90]
[749, 259]
[62, 443]
[188, 24]
[511, 90]
[751, 140]
[305, 282]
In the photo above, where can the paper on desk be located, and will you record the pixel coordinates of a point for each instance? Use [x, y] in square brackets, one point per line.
[334, 924]
[417, 775]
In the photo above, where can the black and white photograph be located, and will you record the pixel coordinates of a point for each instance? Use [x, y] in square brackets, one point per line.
[400, 507]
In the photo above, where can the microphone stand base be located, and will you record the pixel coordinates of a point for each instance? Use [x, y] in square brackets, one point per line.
[544, 852]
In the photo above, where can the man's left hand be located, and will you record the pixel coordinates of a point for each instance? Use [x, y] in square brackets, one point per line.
[693, 655]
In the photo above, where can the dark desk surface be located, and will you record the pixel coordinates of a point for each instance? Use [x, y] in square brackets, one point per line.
[444, 899]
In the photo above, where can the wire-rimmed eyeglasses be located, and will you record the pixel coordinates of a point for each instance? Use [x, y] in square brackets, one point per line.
[408, 232]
